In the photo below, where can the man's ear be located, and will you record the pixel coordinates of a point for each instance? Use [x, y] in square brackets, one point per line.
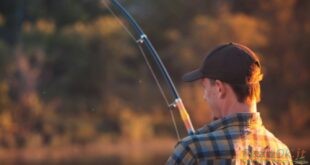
[221, 88]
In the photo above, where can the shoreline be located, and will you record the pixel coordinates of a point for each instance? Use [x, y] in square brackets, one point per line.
[119, 148]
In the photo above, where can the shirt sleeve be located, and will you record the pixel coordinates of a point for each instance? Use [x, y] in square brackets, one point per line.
[181, 155]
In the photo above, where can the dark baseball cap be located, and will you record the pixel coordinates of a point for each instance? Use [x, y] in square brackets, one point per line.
[230, 62]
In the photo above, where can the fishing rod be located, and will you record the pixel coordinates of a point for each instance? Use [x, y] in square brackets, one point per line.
[142, 40]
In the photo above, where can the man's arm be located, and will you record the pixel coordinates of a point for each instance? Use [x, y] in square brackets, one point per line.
[181, 155]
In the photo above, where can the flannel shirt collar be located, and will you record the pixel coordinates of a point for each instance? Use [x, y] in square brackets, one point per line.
[236, 119]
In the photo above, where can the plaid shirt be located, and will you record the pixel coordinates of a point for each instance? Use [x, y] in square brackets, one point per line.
[235, 139]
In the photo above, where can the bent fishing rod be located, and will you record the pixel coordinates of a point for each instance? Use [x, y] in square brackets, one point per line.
[142, 40]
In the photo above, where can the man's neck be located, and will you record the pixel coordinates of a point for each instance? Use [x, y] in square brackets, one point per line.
[238, 107]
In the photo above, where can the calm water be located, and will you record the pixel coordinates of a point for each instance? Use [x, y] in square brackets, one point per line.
[155, 160]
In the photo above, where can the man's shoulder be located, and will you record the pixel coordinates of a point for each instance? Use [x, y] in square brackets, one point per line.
[275, 141]
[213, 144]
[204, 137]
[228, 144]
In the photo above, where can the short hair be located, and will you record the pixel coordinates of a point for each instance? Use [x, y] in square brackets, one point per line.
[251, 91]
[247, 93]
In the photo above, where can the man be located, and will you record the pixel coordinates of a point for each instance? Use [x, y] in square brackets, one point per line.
[230, 76]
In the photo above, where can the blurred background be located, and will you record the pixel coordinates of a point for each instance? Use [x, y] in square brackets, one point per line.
[74, 88]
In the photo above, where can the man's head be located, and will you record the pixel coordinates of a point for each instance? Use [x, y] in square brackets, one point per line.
[229, 68]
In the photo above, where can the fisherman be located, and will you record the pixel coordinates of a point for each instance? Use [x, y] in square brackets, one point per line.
[230, 76]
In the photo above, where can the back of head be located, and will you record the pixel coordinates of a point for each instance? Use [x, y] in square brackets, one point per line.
[236, 65]
[249, 91]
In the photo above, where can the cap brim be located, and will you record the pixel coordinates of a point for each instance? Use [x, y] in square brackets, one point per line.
[192, 76]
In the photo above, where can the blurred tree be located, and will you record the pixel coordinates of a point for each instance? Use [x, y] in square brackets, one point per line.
[13, 14]
[286, 55]
[62, 62]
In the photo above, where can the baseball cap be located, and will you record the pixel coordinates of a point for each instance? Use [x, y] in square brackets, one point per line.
[231, 62]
